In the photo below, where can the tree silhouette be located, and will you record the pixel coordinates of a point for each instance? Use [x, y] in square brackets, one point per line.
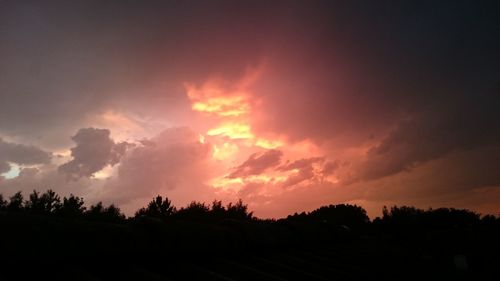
[72, 206]
[414, 219]
[157, 208]
[98, 212]
[51, 201]
[34, 204]
[343, 214]
[194, 211]
[3, 203]
[46, 203]
[238, 211]
[15, 202]
[218, 210]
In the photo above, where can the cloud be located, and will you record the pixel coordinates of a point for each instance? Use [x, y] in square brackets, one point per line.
[4, 167]
[430, 136]
[257, 163]
[94, 150]
[392, 95]
[21, 154]
[330, 167]
[304, 173]
[45, 177]
[300, 164]
[173, 163]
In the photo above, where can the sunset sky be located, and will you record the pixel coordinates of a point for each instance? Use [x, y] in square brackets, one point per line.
[288, 105]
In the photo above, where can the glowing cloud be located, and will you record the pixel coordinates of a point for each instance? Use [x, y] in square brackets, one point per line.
[230, 107]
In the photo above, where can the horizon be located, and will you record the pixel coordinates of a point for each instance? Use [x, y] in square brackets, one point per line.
[50, 203]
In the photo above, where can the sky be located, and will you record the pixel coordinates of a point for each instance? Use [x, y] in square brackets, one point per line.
[287, 105]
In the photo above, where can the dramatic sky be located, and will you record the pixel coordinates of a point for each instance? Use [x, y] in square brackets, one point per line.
[288, 105]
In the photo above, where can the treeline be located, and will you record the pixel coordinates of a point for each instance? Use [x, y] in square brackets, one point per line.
[50, 204]
[161, 209]
[47, 229]
[72, 207]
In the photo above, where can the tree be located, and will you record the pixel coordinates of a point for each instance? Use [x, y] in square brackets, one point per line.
[218, 211]
[98, 212]
[15, 202]
[72, 206]
[47, 203]
[341, 214]
[51, 201]
[34, 204]
[3, 203]
[194, 211]
[157, 208]
[238, 211]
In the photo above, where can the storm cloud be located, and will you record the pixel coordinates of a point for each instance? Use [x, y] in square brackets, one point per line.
[375, 101]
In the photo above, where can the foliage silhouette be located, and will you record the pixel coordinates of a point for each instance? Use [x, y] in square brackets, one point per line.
[46, 203]
[3, 203]
[72, 206]
[16, 202]
[157, 208]
[351, 216]
[194, 211]
[409, 239]
[98, 212]
[441, 218]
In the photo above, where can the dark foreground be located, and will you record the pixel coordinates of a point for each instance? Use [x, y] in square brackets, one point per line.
[37, 247]
[45, 238]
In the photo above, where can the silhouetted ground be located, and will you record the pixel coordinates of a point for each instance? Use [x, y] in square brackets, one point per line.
[226, 243]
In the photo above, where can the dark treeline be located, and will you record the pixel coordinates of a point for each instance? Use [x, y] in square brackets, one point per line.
[350, 217]
[45, 229]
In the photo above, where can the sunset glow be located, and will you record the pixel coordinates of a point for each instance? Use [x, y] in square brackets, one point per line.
[286, 105]
[233, 134]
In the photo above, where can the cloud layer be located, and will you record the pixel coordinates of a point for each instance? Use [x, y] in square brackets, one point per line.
[288, 104]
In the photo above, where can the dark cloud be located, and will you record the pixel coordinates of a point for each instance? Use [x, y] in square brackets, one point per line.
[299, 164]
[257, 163]
[21, 154]
[94, 150]
[434, 135]
[304, 173]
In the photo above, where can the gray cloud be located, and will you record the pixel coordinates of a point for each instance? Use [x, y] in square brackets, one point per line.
[257, 163]
[299, 164]
[94, 150]
[21, 154]
[433, 135]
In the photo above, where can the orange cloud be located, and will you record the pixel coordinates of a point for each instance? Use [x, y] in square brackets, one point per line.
[231, 108]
